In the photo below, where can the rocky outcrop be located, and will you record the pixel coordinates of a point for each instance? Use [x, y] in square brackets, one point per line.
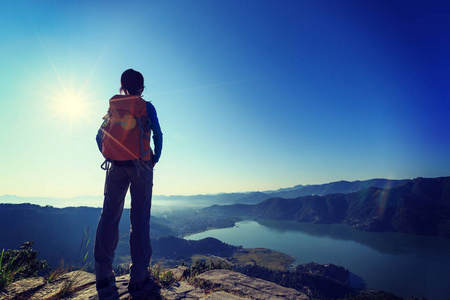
[182, 290]
[246, 286]
[66, 286]
[212, 285]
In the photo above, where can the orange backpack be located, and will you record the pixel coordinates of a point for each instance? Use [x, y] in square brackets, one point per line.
[126, 129]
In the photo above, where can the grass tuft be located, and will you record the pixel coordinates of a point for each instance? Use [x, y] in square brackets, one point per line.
[58, 272]
[162, 277]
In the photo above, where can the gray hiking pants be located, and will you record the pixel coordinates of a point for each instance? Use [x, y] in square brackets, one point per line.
[118, 179]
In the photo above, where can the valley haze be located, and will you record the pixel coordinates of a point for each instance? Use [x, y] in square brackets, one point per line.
[203, 200]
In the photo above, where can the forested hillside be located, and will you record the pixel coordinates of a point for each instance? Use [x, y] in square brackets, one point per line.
[69, 233]
[419, 206]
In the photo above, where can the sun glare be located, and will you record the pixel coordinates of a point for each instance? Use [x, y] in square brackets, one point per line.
[69, 105]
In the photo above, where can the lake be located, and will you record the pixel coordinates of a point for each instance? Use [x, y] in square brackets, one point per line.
[406, 265]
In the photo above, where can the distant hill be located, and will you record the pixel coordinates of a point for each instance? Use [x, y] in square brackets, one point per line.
[222, 198]
[343, 187]
[87, 201]
[178, 248]
[419, 206]
[338, 187]
[58, 232]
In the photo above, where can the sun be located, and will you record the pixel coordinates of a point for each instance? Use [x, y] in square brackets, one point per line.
[69, 105]
[68, 91]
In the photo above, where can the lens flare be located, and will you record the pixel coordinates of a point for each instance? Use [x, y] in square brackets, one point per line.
[382, 201]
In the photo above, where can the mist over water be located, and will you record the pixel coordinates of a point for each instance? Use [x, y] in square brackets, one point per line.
[406, 265]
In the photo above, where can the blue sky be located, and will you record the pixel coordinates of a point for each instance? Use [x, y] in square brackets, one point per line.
[251, 95]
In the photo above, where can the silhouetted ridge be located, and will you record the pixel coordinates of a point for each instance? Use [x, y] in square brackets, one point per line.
[178, 248]
[338, 187]
[419, 206]
[58, 232]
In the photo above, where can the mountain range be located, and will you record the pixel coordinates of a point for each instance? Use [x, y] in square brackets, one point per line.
[221, 198]
[418, 206]
[289, 193]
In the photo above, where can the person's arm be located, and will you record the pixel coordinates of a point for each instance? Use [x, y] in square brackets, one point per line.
[157, 133]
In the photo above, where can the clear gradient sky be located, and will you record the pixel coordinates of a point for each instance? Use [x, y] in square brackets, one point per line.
[251, 94]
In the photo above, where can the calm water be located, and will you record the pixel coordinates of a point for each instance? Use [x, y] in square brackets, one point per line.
[406, 265]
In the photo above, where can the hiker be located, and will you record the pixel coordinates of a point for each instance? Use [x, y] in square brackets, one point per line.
[124, 140]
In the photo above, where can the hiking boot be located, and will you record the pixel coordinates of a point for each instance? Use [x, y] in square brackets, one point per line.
[145, 285]
[105, 283]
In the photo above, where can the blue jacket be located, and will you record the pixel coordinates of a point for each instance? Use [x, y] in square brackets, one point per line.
[154, 126]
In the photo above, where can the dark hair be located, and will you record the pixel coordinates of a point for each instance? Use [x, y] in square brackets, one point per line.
[132, 82]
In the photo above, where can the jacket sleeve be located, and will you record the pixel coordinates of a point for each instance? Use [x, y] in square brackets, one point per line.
[99, 139]
[156, 129]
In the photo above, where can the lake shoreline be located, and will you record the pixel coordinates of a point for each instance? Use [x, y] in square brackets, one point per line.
[384, 261]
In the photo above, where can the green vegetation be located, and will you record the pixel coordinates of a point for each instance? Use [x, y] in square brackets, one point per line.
[163, 277]
[200, 267]
[67, 287]
[56, 273]
[316, 281]
[22, 263]
[180, 249]
[68, 284]
[84, 250]
[185, 222]
[262, 257]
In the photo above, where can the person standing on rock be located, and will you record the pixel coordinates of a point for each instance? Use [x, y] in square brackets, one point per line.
[124, 140]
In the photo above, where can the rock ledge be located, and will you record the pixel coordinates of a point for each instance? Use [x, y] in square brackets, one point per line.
[211, 285]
